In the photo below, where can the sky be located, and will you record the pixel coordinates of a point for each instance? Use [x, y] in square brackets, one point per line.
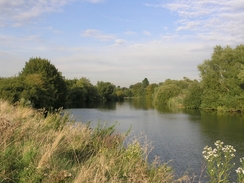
[118, 41]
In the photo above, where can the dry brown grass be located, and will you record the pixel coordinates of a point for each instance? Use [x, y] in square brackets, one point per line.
[52, 149]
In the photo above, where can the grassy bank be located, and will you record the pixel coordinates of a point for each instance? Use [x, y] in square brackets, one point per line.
[53, 149]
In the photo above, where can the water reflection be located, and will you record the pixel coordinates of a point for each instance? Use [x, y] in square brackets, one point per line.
[107, 106]
[140, 103]
[228, 128]
[176, 134]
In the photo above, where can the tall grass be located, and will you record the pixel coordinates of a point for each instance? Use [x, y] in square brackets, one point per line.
[34, 148]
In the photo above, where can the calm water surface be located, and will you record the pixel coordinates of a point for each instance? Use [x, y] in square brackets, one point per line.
[178, 136]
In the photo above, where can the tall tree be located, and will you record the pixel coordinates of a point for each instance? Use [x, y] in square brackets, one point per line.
[221, 80]
[53, 82]
[164, 93]
[137, 90]
[81, 93]
[145, 83]
[150, 90]
[34, 90]
[106, 90]
[11, 89]
[192, 99]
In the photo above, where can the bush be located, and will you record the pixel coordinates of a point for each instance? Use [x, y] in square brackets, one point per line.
[164, 93]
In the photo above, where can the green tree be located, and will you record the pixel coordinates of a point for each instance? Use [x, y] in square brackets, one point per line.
[76, 97]
[11, 89]
[55, 91]
[221, 79]
[34, 90]
[145, 83]
[119, 92]
[119, 95]
[137, 90]
[192, 99]
[150, 90]
[164, 93]
[81, 93]
[106, 90]
[29, 89]
[127, 92]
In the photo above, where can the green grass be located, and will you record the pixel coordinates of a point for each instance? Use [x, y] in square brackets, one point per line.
[34, 148]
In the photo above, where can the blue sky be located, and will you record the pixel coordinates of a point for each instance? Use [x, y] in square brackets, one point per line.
[123, 41]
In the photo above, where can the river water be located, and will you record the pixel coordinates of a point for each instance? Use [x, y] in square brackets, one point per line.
[178, 136]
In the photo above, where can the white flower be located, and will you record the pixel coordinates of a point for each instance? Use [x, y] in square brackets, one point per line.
[241, 159]
[240, 170]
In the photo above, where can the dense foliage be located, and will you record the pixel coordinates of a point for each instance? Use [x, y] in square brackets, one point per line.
[106, 90]
[53, 84]
[39, 84]
[221, 86]
[222, 80]
[193, 95]
[81, 93]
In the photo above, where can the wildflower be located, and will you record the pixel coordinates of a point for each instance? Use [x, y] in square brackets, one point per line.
[240, 171]
[242, 159]
[219, 158]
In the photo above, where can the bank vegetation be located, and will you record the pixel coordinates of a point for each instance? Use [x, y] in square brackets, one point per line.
[35, 148]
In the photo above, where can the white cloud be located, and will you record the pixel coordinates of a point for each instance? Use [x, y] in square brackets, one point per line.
[169, 37]
[97, 34]
[147, 33]
[219, 21]
[95, 1]
[153, 5]
[172, 54]
[137, 45]
[130, 33]
[54, 30]
[120, 42]
[30, 38]
[18, 13]
[14, 41]
[133, 62]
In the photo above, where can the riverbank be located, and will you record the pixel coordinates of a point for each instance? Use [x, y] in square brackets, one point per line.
[51, 149]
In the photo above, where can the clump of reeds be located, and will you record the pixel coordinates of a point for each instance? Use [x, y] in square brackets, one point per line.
[52, 148]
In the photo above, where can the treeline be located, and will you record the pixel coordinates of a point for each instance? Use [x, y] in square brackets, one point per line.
[221, 87]
[41, 85]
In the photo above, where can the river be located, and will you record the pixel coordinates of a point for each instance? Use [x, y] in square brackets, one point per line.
[178, 136]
